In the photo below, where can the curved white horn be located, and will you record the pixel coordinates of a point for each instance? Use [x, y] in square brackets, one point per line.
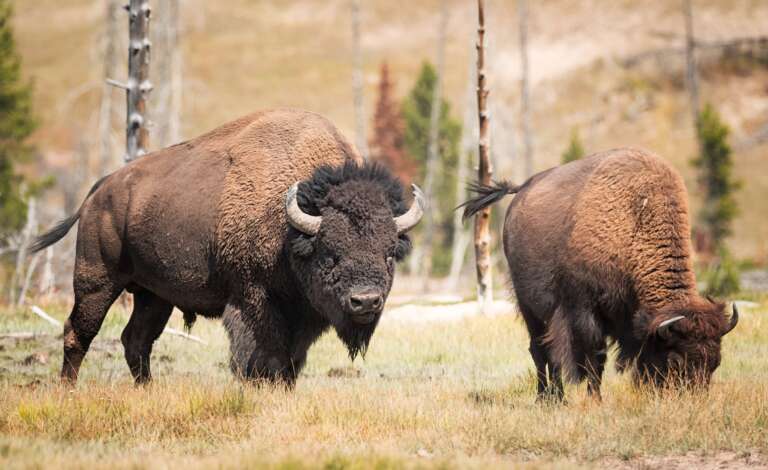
[668, 322]
[734, 320]
[409, 220]
[300, 220]
[663, 329]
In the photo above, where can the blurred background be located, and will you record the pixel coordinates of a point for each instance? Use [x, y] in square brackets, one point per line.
[685, 79]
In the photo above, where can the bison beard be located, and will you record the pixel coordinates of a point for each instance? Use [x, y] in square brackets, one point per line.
[356, 337]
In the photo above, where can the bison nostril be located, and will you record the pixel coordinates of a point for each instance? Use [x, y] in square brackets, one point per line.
[365, 302]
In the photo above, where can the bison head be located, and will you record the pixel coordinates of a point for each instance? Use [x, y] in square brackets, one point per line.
[350, 228]
[682, 345]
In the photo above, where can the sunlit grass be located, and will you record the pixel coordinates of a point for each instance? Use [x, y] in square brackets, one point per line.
[457, 394]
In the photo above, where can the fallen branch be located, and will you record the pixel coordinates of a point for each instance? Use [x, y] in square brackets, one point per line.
[41, 313]
[22, 335]
[176, 332]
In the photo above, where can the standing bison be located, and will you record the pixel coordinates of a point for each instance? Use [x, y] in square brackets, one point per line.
[272, 222]
[599, 251]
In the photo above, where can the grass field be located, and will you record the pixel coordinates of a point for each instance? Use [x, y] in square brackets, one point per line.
[436, 394]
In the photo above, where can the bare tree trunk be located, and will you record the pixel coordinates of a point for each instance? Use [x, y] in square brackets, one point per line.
[47, 277]
[484, 173]
[469, 137]
[110, 69]
[433, 148]
[361, 140]
[525, 103]
[692, 78]
[138, 86]
[28, 279]
[167, 71]
[30, 228]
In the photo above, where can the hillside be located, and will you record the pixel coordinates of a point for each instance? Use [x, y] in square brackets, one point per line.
[243, 55]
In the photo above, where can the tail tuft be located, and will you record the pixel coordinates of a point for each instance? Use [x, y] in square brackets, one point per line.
[486, 196]
[53, 235]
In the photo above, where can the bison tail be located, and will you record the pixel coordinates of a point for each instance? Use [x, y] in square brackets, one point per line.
[62, 228]
[486, 195]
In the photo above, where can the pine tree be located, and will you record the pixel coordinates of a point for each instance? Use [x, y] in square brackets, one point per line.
[575, 148]
[387, 145]
[416, 111]
[16, 124]
[716, 178]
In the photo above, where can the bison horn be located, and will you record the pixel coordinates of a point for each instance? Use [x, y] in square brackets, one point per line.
[663, 328]
[734, 320]
[409, 220]
[300, 220]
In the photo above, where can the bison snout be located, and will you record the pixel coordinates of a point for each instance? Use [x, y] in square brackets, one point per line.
[364, 305]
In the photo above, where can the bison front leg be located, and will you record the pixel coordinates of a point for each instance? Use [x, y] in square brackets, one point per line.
[259, 342]
[148, 320]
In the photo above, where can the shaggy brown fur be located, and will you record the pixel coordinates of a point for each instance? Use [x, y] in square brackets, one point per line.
[599, 250]
[202, 226]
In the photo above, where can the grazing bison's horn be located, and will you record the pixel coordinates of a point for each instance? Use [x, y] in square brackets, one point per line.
[409, 220]
[734, 320]
[300, 220]
[663, 328]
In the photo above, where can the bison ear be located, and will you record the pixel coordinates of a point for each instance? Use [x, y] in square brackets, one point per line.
[402, 247]
[647, 325]
[664, 329]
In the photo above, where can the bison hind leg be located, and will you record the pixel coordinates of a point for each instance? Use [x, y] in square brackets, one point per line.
[95, 291]
[148, 320]
[550, 388]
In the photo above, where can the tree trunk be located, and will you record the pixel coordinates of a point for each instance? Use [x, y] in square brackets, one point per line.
[110, 69]
[525, 103]
[692, 79]
[361, 140]
[469, 137]
[484, 172]
[30, 228]
[138, 86]
[166, 105]
[47, 277]
[433, 148]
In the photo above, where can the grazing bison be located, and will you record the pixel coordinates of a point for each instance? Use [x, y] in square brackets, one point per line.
[272, 222]
[599, 250]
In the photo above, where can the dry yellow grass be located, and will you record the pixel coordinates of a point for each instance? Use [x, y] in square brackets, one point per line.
[428, 395]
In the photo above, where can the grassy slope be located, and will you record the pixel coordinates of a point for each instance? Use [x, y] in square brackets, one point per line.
[429, 395]
[243, 55]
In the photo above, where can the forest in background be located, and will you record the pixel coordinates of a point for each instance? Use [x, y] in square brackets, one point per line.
[605, 74]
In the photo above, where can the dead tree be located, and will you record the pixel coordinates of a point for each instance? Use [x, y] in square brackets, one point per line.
[484, 173]
[167, 70]
[469, 136]
[110, 69]
[19, 273]
[433, 146]
[138, 85]
[692, 79]
[525, 99]
[357, 82]
[47, 277]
